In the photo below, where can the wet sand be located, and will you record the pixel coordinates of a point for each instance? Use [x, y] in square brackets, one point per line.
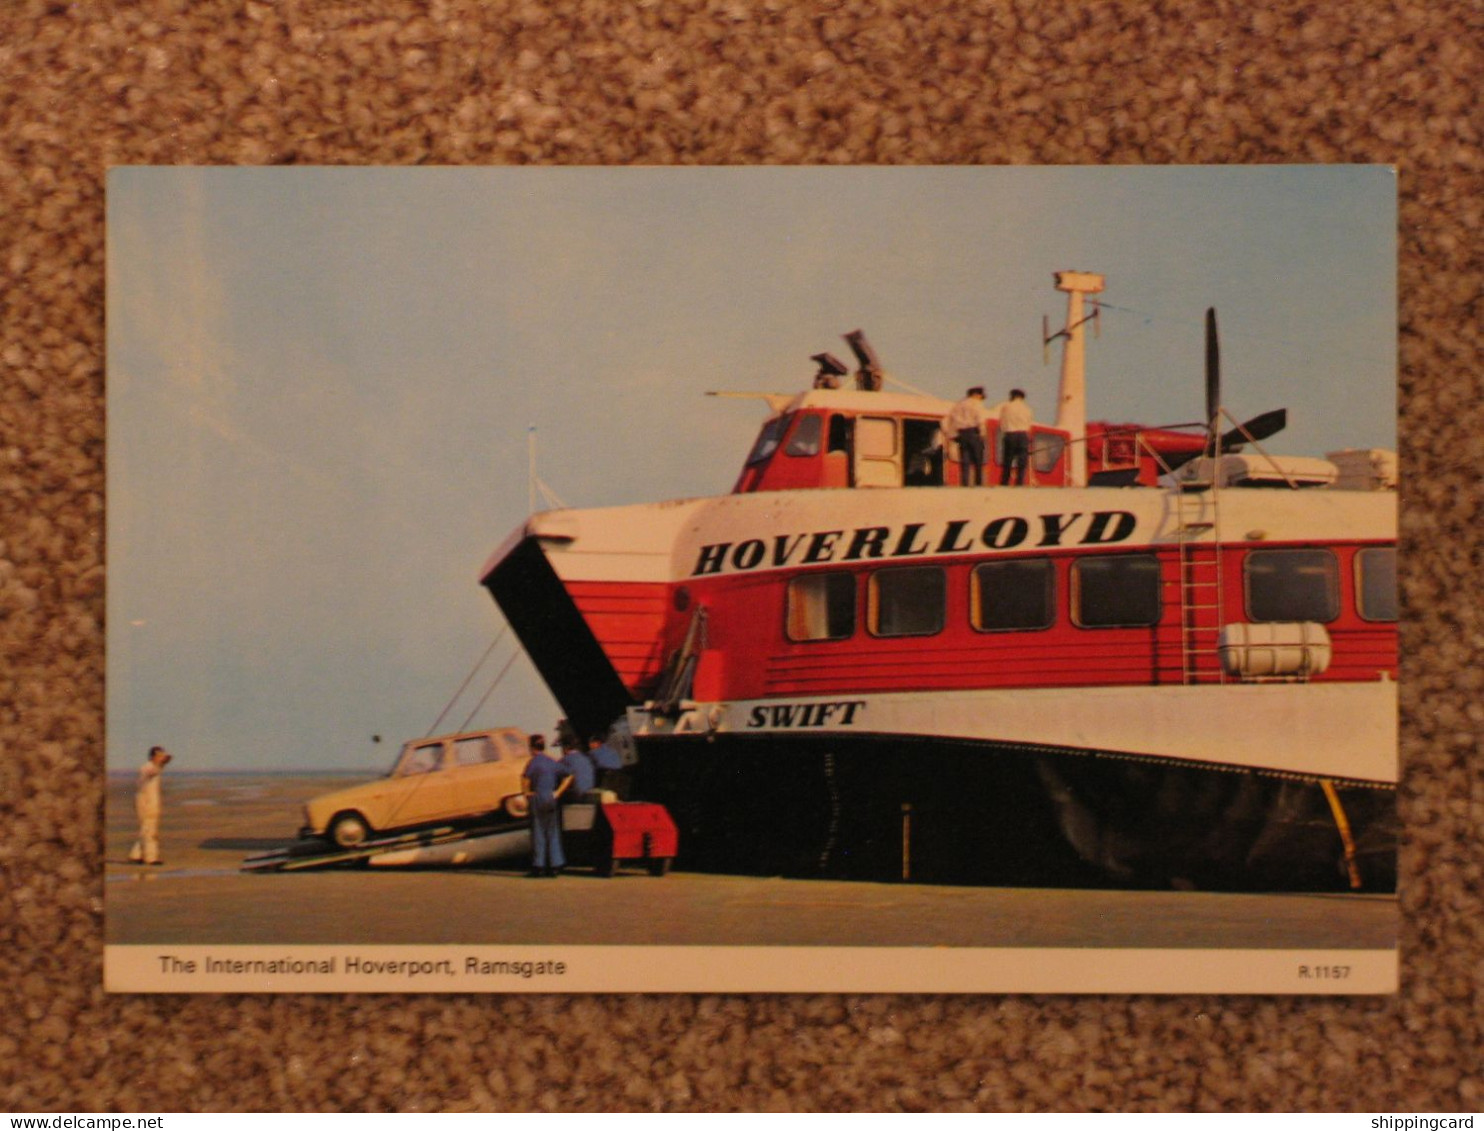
[211, 823]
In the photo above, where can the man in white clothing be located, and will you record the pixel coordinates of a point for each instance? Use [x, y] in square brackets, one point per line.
[1015, 432]
[146, 849]
[965, 425]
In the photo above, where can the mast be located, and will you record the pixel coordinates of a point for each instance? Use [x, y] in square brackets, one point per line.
[1071, 397]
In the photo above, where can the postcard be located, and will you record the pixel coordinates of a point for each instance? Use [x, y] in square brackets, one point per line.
[752, 579]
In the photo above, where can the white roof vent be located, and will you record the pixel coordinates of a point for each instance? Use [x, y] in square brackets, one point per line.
[1246, 470]
[1364, 469]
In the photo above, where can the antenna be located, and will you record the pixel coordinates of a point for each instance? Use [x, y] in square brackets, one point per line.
[1047, 337]
[777, 402]
[531, 468]
[1213, 381]
[534, 484]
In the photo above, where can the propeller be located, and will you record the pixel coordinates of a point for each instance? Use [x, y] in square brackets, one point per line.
[1257, 429]
[1175, 447]
[1253, 431]
[1213, 380]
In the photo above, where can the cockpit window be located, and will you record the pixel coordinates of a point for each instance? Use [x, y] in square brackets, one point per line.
[806, 437]
[1046, 449]
[768, 438]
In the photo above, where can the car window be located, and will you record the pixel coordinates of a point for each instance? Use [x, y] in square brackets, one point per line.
[420, 760]
[473, 751]
[510, 745]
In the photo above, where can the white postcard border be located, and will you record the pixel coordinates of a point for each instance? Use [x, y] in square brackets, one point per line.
[349, 968]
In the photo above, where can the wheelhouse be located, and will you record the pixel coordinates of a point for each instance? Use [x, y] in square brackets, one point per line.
[828, 438]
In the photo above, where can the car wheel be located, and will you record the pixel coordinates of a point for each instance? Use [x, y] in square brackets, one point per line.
[349, 830]
[517, 807]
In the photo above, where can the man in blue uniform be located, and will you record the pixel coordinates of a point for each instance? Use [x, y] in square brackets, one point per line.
[605, 761]
[545, 781]
[584, 774]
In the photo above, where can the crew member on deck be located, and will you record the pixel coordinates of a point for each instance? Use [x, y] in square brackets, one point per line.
[965, 424]
[1015, 431]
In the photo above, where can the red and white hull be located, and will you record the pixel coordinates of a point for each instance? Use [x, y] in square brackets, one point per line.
[1071, 720]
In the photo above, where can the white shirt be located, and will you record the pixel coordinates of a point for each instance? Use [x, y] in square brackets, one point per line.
[1015, 416]
[968, 413]
[147, 794]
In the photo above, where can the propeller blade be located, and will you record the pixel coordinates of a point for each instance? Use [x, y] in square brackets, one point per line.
[1257, 429]
[864, 354]
[1213, 375]
[870, 375]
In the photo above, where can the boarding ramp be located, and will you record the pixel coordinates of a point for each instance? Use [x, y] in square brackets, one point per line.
[446, 846]
[427, 847]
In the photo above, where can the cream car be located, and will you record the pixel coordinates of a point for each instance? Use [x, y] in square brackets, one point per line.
[449, 778]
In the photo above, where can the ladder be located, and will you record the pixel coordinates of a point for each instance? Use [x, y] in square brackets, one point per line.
[1198, 540]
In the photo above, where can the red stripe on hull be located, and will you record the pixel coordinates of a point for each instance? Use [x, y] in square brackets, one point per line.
[628, 620]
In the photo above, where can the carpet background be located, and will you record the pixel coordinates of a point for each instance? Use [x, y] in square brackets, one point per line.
[87, 85]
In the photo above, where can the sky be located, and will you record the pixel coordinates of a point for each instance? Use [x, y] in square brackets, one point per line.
[325, 385]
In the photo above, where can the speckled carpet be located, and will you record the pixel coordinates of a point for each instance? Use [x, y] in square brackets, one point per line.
[89, 85]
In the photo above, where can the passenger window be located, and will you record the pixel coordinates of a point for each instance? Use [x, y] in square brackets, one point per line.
[1014, 595]
[1293, 585]
[1116, 592]
[1375, 583]
[821, 606]
[908, 602]
[473, 751]
[806, 437]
